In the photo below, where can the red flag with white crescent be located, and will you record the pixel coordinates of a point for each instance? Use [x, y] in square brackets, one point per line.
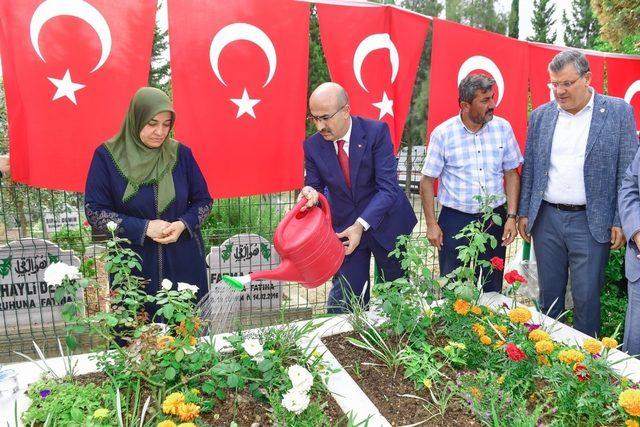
[454, 57]
[239, 74]
[623, 75]
[540, 55]
[70, 68]
[374, 52]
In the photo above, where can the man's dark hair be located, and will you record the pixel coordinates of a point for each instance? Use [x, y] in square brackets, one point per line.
[471, 84]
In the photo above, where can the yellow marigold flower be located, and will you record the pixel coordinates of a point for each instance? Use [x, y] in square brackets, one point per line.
[539, 335]
[476, 310]
[195, 391]
[544, 347]
[609, 342]
[630, 401]
[100, 413]
[502, 329]
[485, 340]
[193, 341]
[631, 423]
[187, 425]
[166, 423]
[543, 360]
[592, 345]
[570, 356]
[461, 307]
[475, 392]
[478, 329]
[172, 402]
[188, 411]
[498, 344]
[164, 341]
[520, 315]
[500, 379]
[427, 383]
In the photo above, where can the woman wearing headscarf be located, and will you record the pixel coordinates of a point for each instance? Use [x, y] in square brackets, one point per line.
[151, 186]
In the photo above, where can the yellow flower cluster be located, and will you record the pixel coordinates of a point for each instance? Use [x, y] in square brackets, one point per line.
[520, 315]
[169, 423]
[475, 392]
[100, 413]
[485, 340]
[631, 423]
[498, 344]
[174, 404]
[478, 329]
[630, 401]
[502, 329]
[570, 356]
[164, 341]
[544, 347]
[609, 342]
[539, 335]
[543, 360]
[188, 411]
[476, 310]
[461, 307]
[592, 345]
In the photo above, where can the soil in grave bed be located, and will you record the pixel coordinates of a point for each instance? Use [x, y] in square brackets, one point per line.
[386, 390]
[240, 407]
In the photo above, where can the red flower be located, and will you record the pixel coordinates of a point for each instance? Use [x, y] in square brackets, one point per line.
[515, 353]
[513, 276]
[497, 263]
[581, 372]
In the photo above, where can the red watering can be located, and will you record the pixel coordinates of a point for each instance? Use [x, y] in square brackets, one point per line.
[310, 251]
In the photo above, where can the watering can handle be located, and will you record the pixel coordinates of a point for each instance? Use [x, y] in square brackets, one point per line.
[324, 205]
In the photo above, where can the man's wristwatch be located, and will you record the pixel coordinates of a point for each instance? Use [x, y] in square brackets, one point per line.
[512, 215]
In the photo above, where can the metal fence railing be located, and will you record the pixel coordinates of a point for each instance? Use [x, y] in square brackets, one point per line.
[40, 226]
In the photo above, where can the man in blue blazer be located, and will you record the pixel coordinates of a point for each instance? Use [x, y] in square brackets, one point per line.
[578, 148]
[351, 159]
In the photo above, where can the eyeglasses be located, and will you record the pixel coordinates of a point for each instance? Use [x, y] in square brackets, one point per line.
[324, 118]
[562, 85]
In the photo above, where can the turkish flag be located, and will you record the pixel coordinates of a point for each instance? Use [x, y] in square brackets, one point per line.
[540, 55]
[374, 52]
[239, 72]
[70, 68]
[623, 75]
[454, 57]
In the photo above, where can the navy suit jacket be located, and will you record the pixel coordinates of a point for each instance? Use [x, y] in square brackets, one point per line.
[375, 195]
[611, 145]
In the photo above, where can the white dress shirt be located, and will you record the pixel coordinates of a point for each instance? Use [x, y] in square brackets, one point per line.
[345, 147]
[566, 165]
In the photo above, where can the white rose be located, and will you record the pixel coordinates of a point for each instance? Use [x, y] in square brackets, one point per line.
[111, 226]
[295, 401]
[166, 284]
[258, 358]
[300, 378]
[58, 271]
[187, 287]
[252, 346]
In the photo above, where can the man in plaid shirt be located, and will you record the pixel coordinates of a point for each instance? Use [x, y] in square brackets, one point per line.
[473, 154]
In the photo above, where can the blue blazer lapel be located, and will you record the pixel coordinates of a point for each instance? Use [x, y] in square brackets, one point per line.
[330, 158]
[357, 144]
[598, 117]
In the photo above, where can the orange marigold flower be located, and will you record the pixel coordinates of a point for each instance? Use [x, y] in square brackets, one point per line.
[539, 335]
[461, 307]
[476, 310]
[172, 403]
[475, 392]
[498, 344]
[485, 340]
[520, 315]
[502, 329]
[544, 347]
[164, 341]
[592, 345]
[193, 341]
[609, 342]
[631, 423]
[478, 329]
[570, 356]
[188, 411]
[630, 401]
[543, 360]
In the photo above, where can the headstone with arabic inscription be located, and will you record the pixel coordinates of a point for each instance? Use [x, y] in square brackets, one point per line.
[25, 298]
[240, 255]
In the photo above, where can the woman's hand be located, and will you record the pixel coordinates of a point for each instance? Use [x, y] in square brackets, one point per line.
[156, 227]
[171, 233]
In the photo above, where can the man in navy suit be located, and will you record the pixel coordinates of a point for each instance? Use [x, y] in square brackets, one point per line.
[578, 148]
[351, 159]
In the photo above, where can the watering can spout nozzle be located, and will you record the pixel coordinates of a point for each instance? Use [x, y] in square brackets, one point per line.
[236, 283]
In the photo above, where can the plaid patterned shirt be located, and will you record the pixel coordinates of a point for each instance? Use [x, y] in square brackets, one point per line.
[470, 164]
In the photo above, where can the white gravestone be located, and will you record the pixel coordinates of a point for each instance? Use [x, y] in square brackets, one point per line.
[240, 255]
[25, 298]
[67, 218]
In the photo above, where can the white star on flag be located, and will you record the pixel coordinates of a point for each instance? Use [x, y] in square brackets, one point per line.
[65, 87]
[245, 104]
[385, 106]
